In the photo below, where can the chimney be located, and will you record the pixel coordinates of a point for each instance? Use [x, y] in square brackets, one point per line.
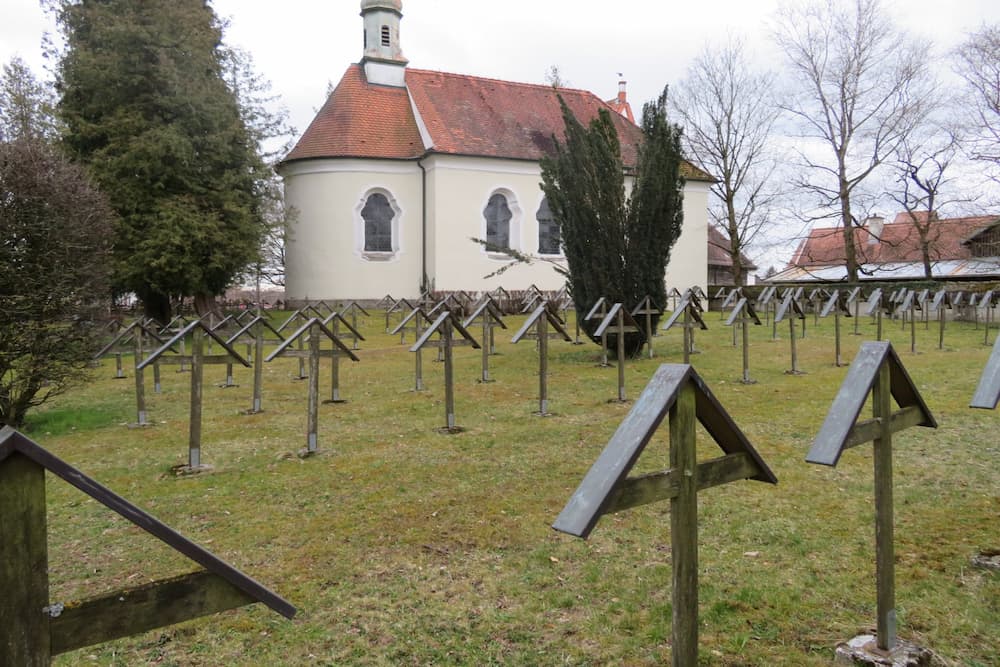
[874, 224]
[621, 93]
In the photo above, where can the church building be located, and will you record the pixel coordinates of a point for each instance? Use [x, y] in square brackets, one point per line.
[403, 167]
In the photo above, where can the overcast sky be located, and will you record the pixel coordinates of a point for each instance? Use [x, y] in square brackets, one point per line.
[301, 45]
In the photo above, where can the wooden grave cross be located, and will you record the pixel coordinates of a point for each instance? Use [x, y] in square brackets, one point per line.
[986, 303]
[296, 317]
[816, 300]
[221, 329]
[839, 305]
[253, 334]
[172, 327]
[854, 298]
[36, 628]
[988, 391]
[198, 330]
[939, 303]
[908, 306]
[922, 297]
[765, 302]
[790, 303]
[333, 322]
[540, 319]
[530, 300]
[675, 296]
[678, 391]
[419, 317]
[118, 345]
[874, 307]
[444, 326]
[599, 311]
[386, 303]
[876, 370]
[688, 311]
[720, 293]
[353, 308]
[136, 331]
[648, 309]
[313, 330]
[619, 322]
[728, 300]
[489, 316]
[743, 314]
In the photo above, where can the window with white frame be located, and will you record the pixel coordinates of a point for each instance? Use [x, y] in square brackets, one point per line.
[498, 216]
[376, 222]
[549, 239]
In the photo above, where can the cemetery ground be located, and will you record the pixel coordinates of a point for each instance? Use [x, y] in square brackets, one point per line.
[401, 545]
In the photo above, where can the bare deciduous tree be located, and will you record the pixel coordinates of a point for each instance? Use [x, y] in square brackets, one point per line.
[860, 88]
[728, 112]
[923, 161]
[979, 64]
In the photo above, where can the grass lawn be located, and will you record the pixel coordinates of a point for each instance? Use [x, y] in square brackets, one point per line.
[404, 546]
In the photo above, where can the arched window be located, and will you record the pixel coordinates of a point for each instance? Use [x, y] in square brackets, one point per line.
[378, 215]
[549, 240]
[498, 215]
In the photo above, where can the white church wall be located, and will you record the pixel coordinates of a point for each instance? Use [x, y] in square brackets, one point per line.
[325, 253]
[461, 189]
[688, 265]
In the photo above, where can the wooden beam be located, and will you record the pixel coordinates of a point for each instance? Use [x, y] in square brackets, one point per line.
[24, 578]
[645, 489]
[147, 607]
[870, 429]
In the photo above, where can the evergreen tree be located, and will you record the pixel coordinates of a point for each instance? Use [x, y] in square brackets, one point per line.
[148, 110]
[617, 246]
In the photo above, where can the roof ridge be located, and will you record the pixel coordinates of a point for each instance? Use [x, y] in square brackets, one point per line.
[505, 81]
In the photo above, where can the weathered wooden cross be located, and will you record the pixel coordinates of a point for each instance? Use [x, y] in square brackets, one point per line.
[444, 327]
[198, 330]
[940, 302]
[253, 334]
[838, 305]
[874, 307]
[648, 309]
[742, 315]
[790, 308]
[619, 322]
[35, 627]
[354, 308]
[599, 311]
[540, 319]
[418, 317]
[688, 312]
[876, 370]
[678, 391]
[293, 319]
[489, 317]
[333, 322]
[136, 331]
[313, 330]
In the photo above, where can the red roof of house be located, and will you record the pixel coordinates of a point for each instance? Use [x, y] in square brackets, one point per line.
[463, 115]
[898, 241]
[718, 250]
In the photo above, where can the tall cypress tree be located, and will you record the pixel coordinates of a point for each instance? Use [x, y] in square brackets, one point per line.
[147, 109]
[617, 246]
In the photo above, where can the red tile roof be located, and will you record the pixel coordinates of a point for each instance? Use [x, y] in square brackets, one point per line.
[361, 120]
[718, 250]
[464, 115]
[899, 241]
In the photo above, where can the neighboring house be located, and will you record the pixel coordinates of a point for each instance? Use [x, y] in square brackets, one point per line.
[960, 249]
[402, 167]
[720, 262]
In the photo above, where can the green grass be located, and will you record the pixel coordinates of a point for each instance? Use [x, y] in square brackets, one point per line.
[403, 546]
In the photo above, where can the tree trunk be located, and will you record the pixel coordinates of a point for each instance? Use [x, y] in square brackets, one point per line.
[847, 221]
[157, 306]
[205, 304]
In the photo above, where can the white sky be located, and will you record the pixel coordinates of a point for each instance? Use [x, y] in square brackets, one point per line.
[301, 45]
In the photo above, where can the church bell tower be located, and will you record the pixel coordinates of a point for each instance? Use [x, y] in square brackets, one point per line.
[383, 58]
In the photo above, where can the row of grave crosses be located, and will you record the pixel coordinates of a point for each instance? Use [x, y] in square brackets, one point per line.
[37, 628]
[678, 393]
